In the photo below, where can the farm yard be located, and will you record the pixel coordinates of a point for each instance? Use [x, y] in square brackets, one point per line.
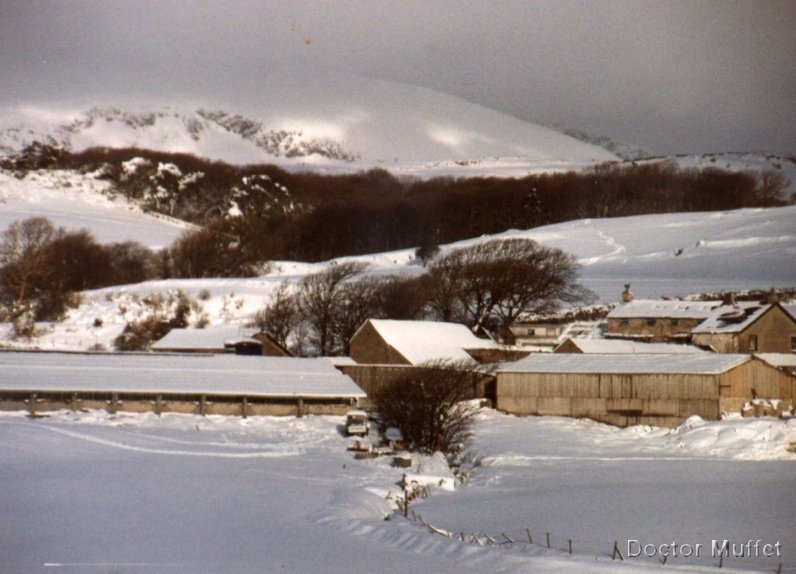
[95, 492]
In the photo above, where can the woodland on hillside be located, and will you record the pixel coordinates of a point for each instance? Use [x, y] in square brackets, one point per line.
[252, 214]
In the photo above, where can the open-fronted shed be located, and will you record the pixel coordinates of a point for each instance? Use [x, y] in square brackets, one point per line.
[203, 384]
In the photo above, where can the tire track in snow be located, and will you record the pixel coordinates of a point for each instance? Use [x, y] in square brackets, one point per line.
[285, 452]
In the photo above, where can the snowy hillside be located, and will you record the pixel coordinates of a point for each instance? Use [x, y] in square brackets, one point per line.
[660, 255]
[336, 123]
[75, 201]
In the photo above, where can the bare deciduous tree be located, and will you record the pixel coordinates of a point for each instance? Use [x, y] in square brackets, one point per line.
[431, 405]
[498, 280]
[319, 298]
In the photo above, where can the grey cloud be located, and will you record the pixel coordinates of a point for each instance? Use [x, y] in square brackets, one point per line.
[673, 76]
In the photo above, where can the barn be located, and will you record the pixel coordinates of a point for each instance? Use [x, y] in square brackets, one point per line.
[660, 390]
[393, 342]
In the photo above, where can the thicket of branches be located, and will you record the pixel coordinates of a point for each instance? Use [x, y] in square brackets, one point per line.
[485, 286]
[430, 405]
[260, 213]
[43, 268]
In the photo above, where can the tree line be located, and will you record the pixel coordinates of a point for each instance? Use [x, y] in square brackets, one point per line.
[251, 214]
[43, 268]
[485, 286]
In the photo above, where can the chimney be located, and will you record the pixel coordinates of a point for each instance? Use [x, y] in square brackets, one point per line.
[627, 294]
[771, 297]
[730, 299]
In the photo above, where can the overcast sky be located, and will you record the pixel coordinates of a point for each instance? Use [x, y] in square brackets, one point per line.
[671, 76]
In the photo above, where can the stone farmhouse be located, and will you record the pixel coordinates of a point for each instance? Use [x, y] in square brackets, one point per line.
[724, 327]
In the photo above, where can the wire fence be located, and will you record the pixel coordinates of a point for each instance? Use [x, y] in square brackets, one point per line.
[613, 550]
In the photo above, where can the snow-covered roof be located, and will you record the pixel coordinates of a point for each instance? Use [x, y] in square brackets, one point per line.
[703, 363]
[732, 318]
[664, 309]
[619, 346]
[184, 374]
[779, 360]
[421, 341]
[206, 338]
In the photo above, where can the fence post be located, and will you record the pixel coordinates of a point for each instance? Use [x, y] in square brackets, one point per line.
[548, 540]
[530, 538]
[616, 551]
[300, 408]
[203, 405]
[570, 546]
[158, 404]
[32, 404]
[244, 407]
[112, 407]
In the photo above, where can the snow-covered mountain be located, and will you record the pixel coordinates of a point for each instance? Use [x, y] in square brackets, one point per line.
[345, 123]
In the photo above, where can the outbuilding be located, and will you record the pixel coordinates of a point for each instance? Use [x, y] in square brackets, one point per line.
[200, 384]
[660, 390]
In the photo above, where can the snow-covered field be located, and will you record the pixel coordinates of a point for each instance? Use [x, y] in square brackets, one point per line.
[92, 492]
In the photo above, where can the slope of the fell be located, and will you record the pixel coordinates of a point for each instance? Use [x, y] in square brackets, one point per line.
[660, 255]
[324, 122]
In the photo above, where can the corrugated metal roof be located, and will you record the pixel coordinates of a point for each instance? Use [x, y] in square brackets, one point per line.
[704, 363]
[183, 374]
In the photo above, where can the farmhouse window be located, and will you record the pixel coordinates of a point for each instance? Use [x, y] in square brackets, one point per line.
[752, 343]
[793, 344]
[650, 322]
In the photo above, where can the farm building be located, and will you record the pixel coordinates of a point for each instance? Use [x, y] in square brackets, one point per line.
[619, 346]
[783, 361]
[660, 390]
[658, 321]
[544, 336]
[220, 339]
[391, 342]
[748, 328]
[729, 327]
[202, 384]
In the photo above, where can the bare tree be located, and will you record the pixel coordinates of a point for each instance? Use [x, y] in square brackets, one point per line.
[280, 317]
[22, 256]
[431, 405]
[498, 280]
[319, 298]
[358, 301]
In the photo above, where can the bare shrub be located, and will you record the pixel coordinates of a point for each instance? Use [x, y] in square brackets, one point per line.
[431, 405]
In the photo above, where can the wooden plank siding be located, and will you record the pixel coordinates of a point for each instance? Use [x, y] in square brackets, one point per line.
[663, 399]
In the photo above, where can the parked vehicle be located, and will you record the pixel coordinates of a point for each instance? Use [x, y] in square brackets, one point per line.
[356, 422]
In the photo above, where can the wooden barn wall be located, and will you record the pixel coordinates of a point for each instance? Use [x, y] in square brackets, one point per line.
[371, 378]
[367, 347]
[666, 399]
